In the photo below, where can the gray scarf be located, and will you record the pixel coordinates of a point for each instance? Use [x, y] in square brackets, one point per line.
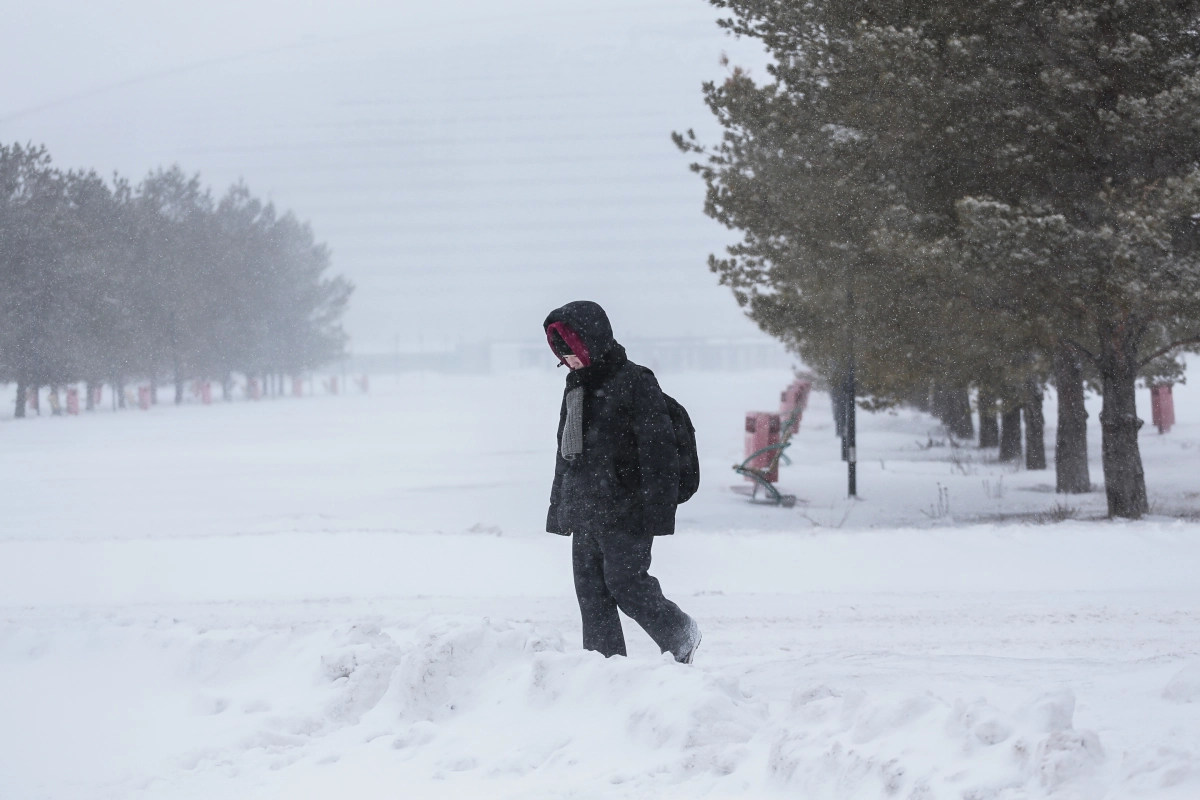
[572, 435]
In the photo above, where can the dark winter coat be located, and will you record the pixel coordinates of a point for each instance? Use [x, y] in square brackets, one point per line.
[627, 478]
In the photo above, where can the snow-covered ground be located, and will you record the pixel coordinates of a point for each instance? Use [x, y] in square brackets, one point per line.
[352, 597]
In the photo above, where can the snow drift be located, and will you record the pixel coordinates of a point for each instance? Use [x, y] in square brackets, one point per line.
[452, 701]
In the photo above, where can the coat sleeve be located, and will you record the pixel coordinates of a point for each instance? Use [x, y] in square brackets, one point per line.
[658, 458]
[560, 466]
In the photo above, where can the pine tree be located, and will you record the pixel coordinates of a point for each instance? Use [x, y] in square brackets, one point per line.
[107, 281]
[993, 184]
[33, 239]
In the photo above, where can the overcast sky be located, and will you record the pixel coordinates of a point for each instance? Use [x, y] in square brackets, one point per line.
[471, 164]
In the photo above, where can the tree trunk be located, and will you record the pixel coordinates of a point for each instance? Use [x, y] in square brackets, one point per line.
[153, 389]
[956, 408]
[89, 404]
[1124, 480]
[119, 391]
[19, 408]
[1035, 427]
[1010, 432]
[1070, 442]
[227, 388]
[927, 401]
[178, 390]
[989, 428]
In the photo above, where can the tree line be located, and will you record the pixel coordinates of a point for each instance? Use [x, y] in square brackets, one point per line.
[104, 281]
[959, 198]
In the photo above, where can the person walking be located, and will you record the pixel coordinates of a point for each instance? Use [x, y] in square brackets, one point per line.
[616, 483]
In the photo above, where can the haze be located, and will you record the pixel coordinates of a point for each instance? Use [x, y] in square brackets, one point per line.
[471, 164]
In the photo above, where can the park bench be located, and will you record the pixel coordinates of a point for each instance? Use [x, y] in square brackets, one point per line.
[768, 436]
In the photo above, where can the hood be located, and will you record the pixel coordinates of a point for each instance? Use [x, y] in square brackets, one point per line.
[591, 323]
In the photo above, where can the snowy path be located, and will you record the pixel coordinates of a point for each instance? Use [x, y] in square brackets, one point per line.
[329, 598]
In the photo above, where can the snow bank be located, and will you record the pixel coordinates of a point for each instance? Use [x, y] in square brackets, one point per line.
[502, 708]
[456, 700]
[843, 743]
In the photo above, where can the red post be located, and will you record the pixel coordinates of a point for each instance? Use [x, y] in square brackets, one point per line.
[333, 385]
[72, 401]
[206, 392]
[97, 394]
[762, 430]
[143, 397]
[297, 386]
[253, 389]
[1162, 407]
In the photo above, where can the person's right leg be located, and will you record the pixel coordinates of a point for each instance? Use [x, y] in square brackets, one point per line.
[626, 573]
[597, 607]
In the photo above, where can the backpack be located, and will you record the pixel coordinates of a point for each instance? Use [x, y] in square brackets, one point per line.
[685, 443]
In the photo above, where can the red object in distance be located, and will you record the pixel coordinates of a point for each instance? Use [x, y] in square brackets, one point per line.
[795, 397]
[762, 430]
[1162, 407]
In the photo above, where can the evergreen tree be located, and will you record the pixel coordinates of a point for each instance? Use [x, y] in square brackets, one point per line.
[33, 248]
[107, 281]
[993, 185]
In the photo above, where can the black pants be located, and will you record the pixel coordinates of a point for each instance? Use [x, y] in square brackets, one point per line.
[611, 573]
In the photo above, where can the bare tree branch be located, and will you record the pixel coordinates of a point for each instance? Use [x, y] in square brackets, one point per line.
[1083, 351]
[1164, 350]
